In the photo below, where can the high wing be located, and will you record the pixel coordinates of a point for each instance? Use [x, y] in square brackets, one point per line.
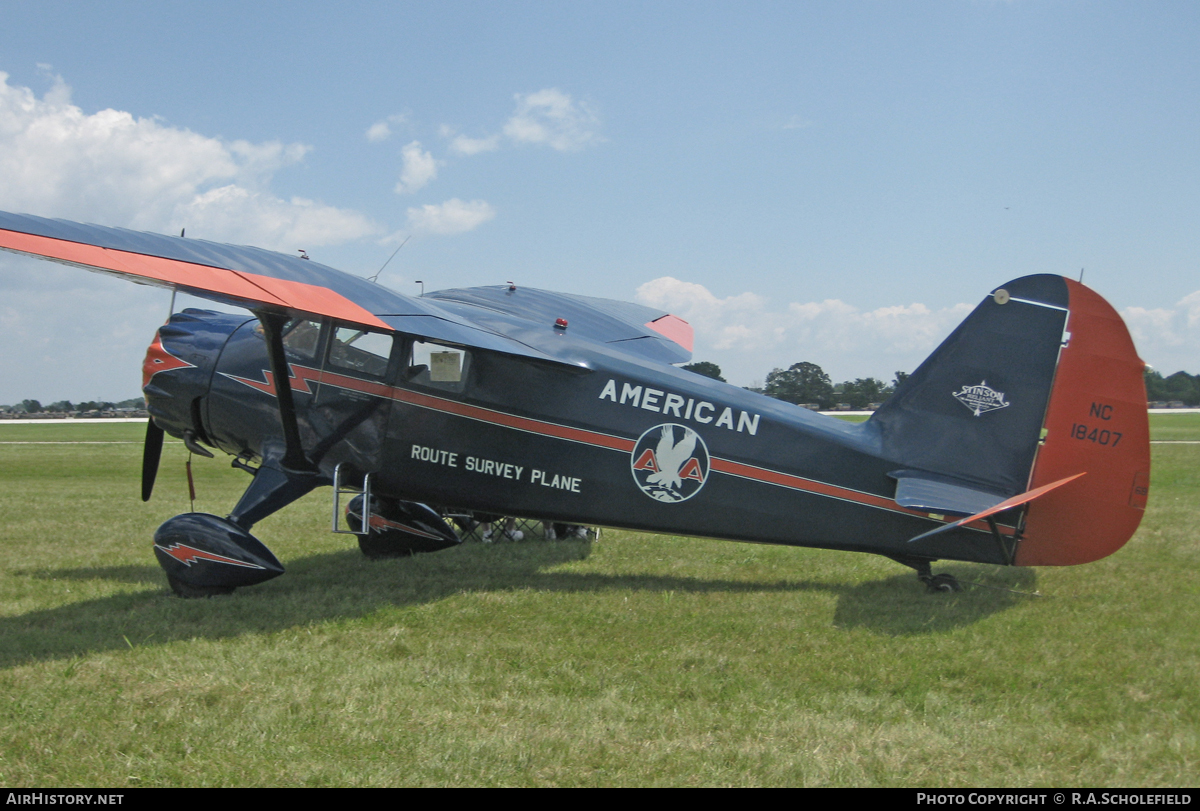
[266, 281]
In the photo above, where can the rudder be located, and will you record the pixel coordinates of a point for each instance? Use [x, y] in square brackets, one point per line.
[1096, 422]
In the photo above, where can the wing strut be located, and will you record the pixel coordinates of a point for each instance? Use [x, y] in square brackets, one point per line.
[273, 324]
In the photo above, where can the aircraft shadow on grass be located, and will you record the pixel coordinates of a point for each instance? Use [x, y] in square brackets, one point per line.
[337, 585]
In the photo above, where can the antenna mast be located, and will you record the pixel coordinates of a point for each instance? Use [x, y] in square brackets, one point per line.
[390, 258]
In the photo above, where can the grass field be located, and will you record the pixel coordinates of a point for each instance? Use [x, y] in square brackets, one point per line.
[638, 660]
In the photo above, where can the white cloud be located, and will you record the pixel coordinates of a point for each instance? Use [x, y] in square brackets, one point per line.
[419, 168]
[748, 335]
[244, 216]
[464, 145]
[736, 322]
[548, 117]
[553, 118]
[257, 162]
[451, 217]
[379, 131]
[382, 130]
[112, 168]
[75, 335]
[1192, 303]
[1159, 325]
[1168, 337]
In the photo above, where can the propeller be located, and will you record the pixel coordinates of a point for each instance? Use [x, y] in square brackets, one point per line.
[151, 453]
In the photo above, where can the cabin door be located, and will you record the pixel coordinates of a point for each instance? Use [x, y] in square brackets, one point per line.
[343, 420]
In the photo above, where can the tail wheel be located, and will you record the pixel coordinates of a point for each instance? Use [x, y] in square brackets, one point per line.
[942, 583]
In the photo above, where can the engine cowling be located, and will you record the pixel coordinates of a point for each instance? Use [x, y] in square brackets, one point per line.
[178, 370]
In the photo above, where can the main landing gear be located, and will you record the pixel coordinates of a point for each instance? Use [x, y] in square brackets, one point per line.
[206, 555]
[398, 528]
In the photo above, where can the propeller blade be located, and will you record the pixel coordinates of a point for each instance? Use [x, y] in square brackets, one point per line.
[151, 453]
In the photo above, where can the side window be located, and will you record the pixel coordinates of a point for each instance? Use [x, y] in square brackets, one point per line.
[359, 352]
[438, 366]
[301, 338]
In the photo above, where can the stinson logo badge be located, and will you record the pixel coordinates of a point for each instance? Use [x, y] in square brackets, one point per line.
[670, 463]
[981, 399]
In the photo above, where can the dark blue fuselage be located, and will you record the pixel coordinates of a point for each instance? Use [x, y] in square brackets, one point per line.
[601, 437]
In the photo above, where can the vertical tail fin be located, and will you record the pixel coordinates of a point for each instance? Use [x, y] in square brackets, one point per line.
[974, 409]
[1039, 384]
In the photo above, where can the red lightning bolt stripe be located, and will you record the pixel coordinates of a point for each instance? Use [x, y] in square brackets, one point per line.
[158, 359]
[378, 522]
[267, 384]
[188, 555]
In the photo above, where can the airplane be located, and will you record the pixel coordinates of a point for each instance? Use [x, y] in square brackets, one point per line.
[1022, 440]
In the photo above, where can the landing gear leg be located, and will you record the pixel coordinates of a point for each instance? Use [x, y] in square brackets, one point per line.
[204, 554]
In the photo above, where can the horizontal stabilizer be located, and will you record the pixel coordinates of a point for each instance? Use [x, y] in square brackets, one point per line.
[919, 490]
[1007, 504]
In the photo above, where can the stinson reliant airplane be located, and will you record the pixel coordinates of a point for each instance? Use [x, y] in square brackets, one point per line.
[1022, 440]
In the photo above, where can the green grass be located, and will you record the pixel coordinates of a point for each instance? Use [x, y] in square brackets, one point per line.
[1175, 427]
[640, 660]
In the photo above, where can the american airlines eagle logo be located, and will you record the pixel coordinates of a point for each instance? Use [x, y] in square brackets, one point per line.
[670, 463]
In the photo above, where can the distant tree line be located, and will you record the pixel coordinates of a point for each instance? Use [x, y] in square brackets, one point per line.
[807, 384]
[1179, 387]
[67, 407]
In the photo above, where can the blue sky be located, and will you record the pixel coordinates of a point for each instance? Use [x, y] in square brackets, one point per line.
[832, 182]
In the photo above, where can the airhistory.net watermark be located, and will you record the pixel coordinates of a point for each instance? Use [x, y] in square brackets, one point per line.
[56, 798]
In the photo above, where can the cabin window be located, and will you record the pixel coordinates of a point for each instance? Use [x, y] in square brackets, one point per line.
[438, 366]
[301, 338]
[360, 352]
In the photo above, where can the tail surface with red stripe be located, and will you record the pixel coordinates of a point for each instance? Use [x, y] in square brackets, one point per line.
[1036, 402]
[1096, 422]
